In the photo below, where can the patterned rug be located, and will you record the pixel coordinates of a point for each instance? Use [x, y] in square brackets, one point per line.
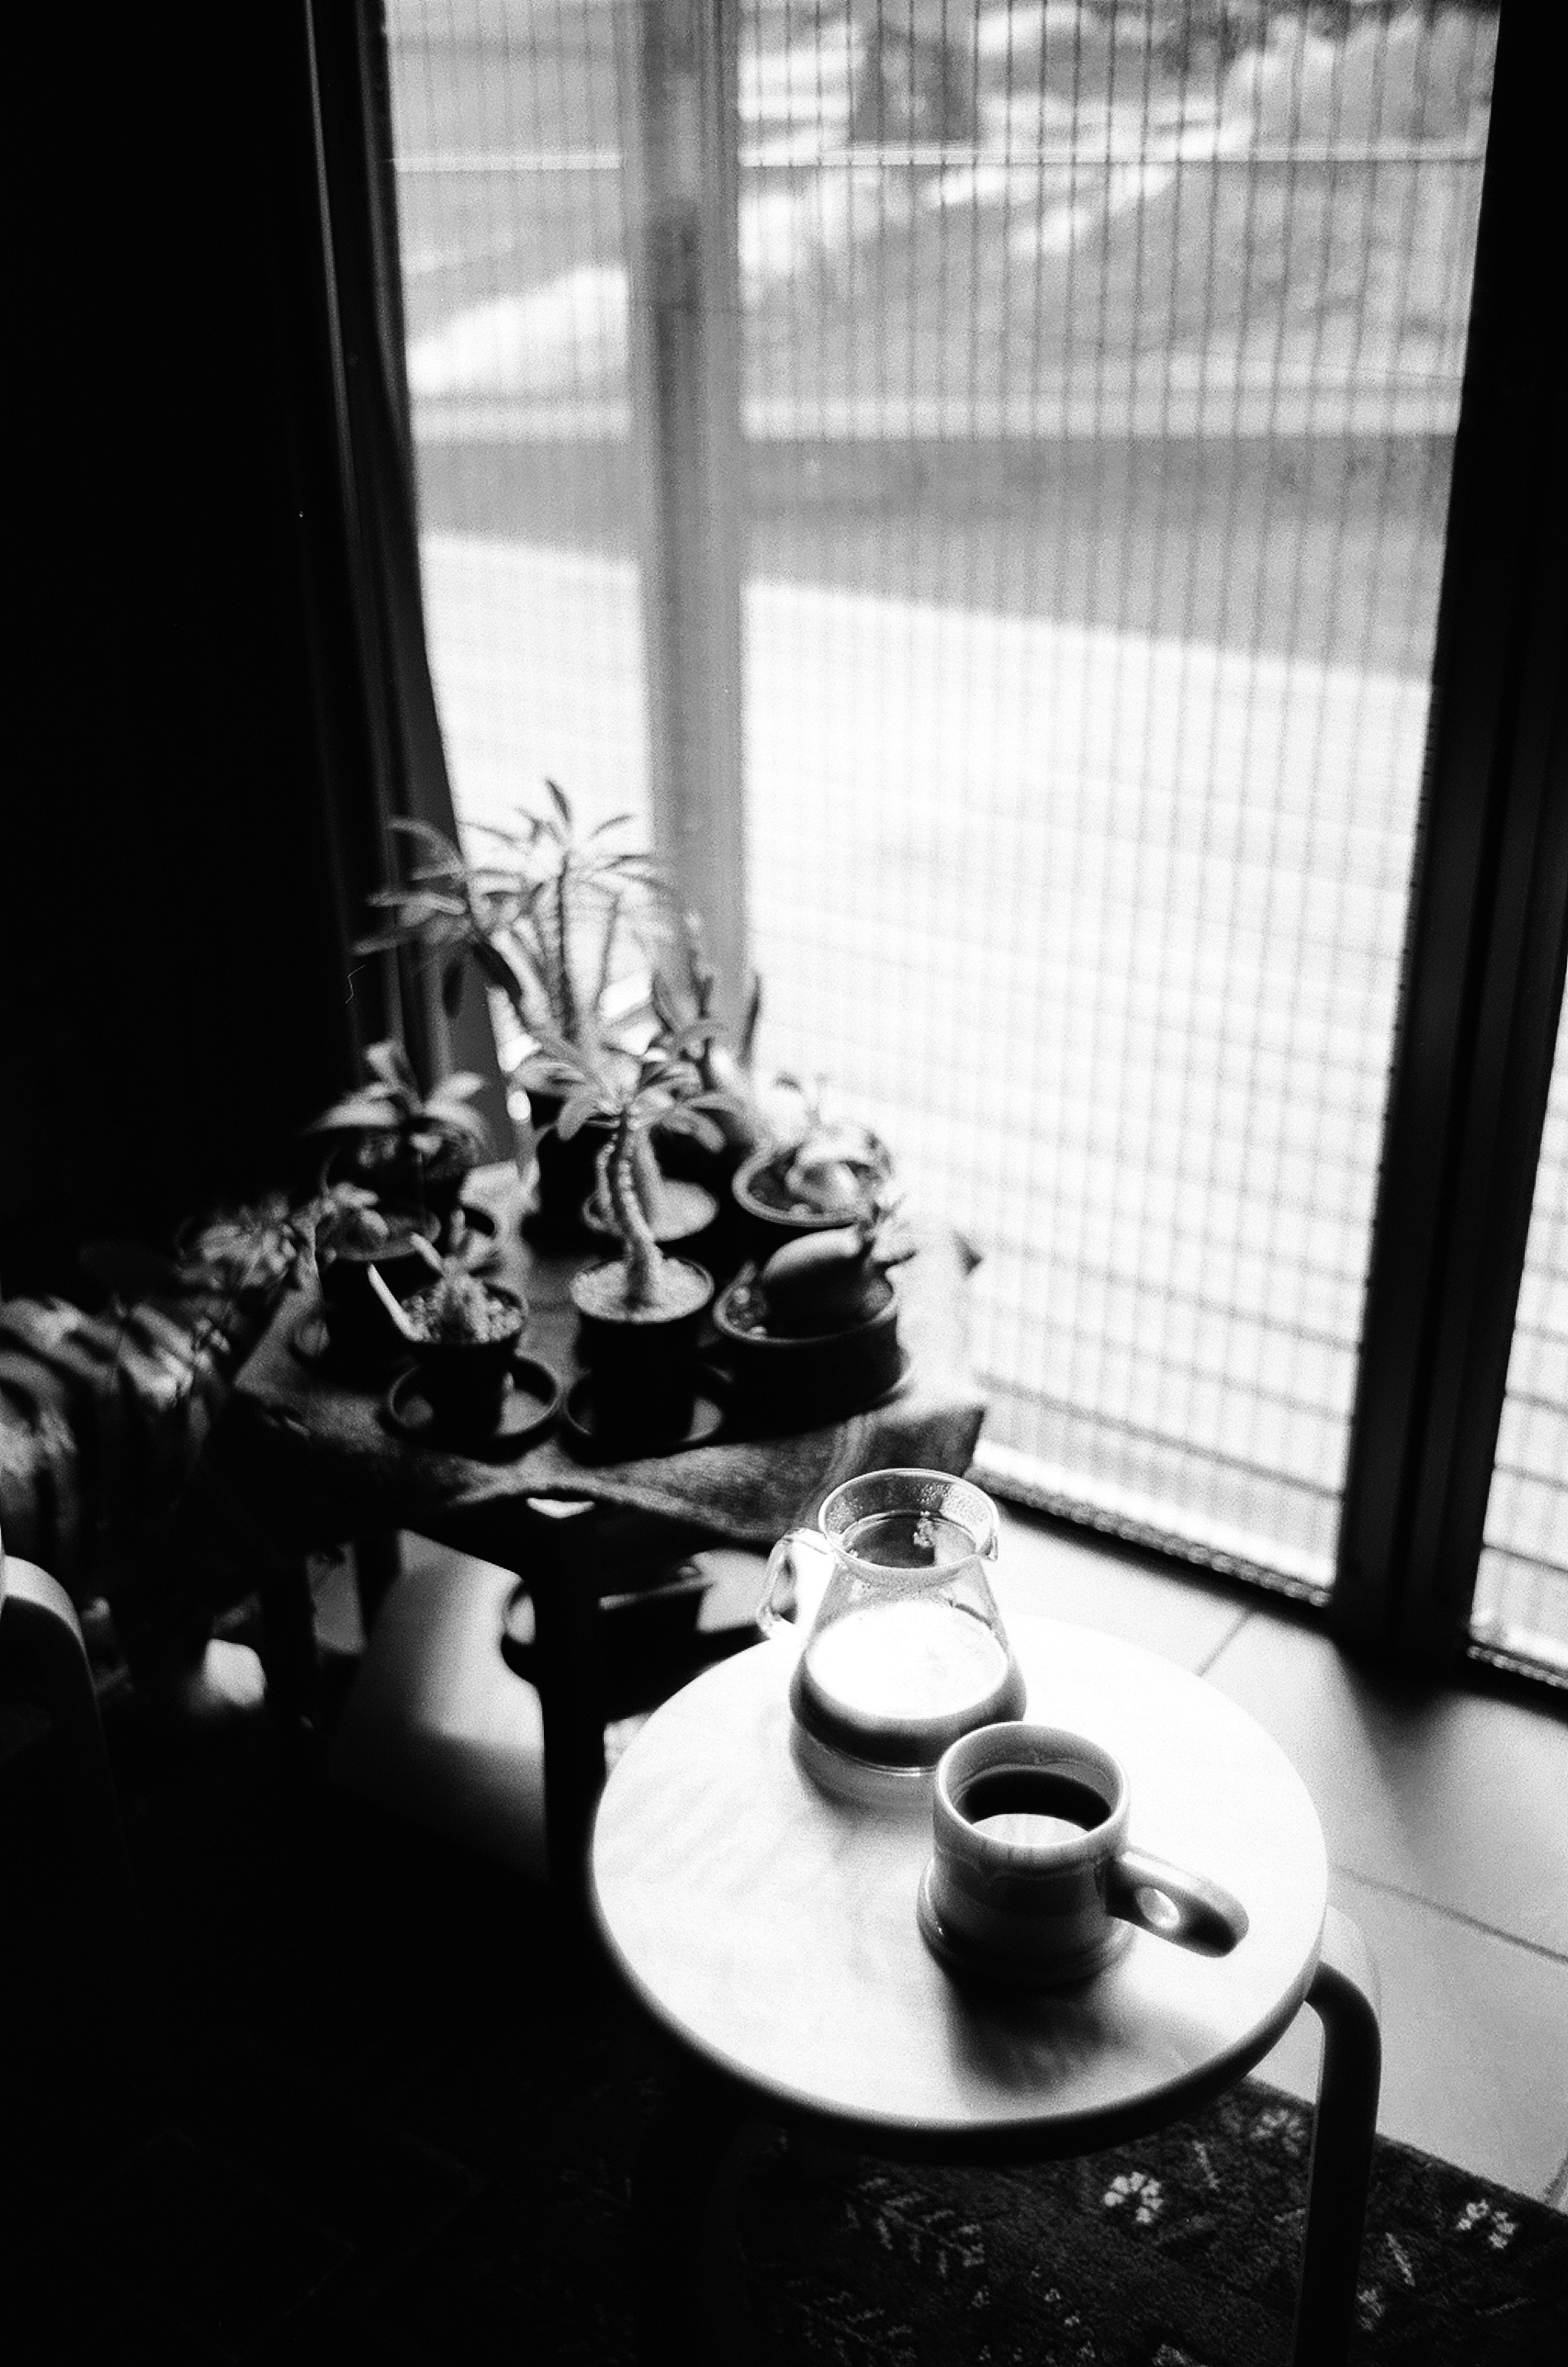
[402, 2117]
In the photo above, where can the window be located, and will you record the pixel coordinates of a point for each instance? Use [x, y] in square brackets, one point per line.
[1079, 386]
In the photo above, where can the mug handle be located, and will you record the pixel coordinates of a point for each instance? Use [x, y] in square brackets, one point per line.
[1186, 1908]
[781, 1591]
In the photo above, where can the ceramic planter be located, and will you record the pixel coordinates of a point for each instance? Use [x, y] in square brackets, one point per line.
[568, 1172]
[643, 1363]
[769, 1217]
[685, 1222]
[357, 1323]
[787, 1384]
[390, 1167]
[465, 1381]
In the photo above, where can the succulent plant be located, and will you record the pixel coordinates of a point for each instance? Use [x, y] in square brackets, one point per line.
[834, 1167]
[722, 1061]
[543, 922]
[460, 1308]
[392, 1110]
[345, 1218]
[828, 1281]
[664, 1089]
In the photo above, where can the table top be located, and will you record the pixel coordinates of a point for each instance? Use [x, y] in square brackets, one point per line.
[300, 1441]
[773, 1930]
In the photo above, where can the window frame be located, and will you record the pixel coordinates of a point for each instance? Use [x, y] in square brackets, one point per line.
[1487, 922]
[1486, 933]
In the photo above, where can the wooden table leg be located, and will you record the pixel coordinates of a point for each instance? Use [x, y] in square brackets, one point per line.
[687, 2265]
[378, 1566]
[289, 1638]
[563, 1580]
[1344, 1996]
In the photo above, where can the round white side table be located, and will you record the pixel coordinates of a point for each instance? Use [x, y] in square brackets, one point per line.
[770, 1933]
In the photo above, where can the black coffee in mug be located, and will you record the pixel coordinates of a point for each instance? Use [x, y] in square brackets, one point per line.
[1029, 1805]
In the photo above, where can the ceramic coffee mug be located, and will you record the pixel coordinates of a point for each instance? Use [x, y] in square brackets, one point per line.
[1032, 1881]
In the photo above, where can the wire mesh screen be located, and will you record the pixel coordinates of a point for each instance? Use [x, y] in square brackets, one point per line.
[1521, 1595]
[1103, 365]
[508, 152]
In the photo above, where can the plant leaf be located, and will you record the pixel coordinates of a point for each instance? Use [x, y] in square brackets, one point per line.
[577, 1112]
[367, 1113]
[682, 1118]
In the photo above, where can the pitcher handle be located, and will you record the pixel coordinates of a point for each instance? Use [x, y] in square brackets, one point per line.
[781, 1592]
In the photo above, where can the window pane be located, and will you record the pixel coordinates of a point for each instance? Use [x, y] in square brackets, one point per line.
[507, 145]
[1521, 1595]
[1103, 363]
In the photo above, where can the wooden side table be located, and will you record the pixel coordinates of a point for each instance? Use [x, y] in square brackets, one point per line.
[772, 1933]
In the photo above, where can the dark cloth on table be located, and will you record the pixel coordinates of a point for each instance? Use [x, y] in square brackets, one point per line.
[316, 1460]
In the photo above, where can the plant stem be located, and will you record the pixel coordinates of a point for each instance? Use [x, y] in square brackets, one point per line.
[641, 1257]
[646, 1175]
[568, 1016]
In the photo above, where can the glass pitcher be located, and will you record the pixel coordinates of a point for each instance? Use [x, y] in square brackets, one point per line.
[906, 1651]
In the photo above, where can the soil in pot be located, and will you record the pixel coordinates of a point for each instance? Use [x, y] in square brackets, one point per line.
[642, 1360]
[684, 1219]
[464, 1376]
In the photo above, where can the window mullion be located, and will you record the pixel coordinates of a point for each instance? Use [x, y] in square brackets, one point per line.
[680, 107]
[1488, 925]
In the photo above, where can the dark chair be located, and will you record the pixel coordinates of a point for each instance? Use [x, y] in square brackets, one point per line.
[79, 2004]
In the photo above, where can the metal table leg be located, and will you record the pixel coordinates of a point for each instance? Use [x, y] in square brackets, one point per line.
[1344, 1996]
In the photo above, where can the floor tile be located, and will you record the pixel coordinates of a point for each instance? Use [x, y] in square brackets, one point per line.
[1456, 1797]
[1475, 2040]
[437, 1728]
[1039, 1570]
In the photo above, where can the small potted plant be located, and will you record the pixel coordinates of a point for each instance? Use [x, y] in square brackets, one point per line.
[463, 1335]
[815, 1332]
[724, 1066]
[549, 924]
[827, 1174]
[414, 1150]
[639, 1315]
[351, 1234]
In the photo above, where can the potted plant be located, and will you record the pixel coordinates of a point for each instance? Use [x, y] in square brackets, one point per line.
[723, 1063]
[463, 1334]
[414, 1150]
[547, 923]
[826, 1174]
[815, 1332]
[351, 1234]
[639, 1315]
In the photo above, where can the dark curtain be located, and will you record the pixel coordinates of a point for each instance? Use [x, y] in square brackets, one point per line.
[223, 696]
